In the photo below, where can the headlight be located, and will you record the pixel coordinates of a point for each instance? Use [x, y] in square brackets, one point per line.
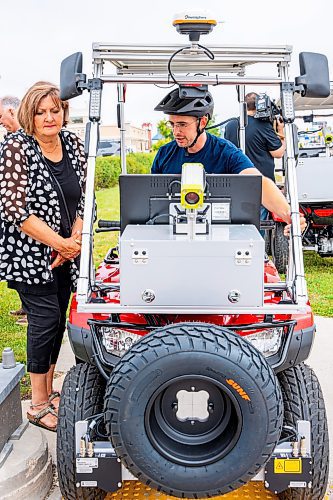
[117, 341]
[268, 342]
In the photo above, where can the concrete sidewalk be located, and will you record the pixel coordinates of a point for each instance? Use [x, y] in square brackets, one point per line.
[65, 362]
[320, 360]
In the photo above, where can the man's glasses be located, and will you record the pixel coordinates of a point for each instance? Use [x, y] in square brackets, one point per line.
[179, 125]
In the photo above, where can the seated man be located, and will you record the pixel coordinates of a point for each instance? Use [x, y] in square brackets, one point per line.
[188, 118]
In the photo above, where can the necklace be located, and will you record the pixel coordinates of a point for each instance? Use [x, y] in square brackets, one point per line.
[51, 150]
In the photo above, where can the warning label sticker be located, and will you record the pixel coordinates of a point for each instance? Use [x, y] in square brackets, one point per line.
[89, 483]
[84, 470]
[288, 466]
[221, 211]
[87, 462]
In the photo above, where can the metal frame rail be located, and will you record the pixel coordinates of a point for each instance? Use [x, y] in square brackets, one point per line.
[148, 64]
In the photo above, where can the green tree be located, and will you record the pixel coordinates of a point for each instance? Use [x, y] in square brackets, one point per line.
[158, 144]
[164, 130]
[216, 130]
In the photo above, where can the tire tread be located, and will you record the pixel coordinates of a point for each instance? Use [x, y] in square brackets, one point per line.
[303, 400]
[188, 337]
[77, 405]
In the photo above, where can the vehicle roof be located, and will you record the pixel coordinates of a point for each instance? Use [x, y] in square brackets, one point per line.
[149, 63]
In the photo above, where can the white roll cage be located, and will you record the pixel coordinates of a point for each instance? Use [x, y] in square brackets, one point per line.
[148, 64]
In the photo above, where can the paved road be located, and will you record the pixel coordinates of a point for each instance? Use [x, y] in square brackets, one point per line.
[321, 360]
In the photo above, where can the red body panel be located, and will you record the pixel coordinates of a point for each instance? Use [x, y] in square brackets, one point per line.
[276, 218]
[307, 211]
[110, 274]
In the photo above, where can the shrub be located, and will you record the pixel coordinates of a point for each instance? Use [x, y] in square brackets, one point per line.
[158, 144]
[108, 168]
[107, 172]
[139, 163]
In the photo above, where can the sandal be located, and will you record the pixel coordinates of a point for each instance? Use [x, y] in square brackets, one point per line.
[36, 419]
[54, 398]
[53, 395]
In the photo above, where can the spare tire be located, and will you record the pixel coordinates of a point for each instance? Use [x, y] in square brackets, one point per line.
[193, 410]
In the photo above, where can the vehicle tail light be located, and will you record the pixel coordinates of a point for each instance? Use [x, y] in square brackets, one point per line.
[305, 210]
[323, 212]
[117, 340]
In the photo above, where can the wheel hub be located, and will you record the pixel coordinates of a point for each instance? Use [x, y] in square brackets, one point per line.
[193, 420]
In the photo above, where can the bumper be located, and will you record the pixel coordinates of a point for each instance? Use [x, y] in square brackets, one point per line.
[295, 349]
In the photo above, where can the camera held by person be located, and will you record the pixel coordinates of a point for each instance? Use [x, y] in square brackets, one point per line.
[266, 109]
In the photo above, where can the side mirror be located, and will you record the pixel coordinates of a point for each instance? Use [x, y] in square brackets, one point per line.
[71, 76]
[314, 79]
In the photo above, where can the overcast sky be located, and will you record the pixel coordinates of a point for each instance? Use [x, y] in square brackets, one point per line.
[37, 34]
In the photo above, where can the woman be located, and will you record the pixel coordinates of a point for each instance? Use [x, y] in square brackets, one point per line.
[42, 175]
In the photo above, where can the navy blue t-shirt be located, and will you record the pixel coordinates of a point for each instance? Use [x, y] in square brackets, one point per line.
[260, 139]
[218, 156]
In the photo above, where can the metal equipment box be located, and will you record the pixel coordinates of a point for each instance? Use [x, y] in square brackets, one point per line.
[223, 268]
[315, 179]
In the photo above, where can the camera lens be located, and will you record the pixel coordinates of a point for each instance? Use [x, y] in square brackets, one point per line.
[192, 198]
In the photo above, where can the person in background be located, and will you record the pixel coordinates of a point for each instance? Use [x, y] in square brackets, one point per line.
[8, 113]
[8, 119]
[262, 142]
[42, 181]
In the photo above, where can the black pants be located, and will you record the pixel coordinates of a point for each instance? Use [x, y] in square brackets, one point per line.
[46, 316]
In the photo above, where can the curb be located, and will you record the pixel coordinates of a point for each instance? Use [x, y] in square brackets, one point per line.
[27, 472]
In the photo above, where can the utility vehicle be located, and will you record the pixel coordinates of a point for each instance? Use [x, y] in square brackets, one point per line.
[192, 377]
[314, 173]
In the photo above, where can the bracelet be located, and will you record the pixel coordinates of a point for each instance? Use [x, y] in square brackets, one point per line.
[281, 136]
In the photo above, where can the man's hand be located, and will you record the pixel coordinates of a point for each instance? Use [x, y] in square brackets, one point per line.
[288, 226]
[279, 127]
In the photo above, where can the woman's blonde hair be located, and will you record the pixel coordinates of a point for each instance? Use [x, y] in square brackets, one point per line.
[31, 100]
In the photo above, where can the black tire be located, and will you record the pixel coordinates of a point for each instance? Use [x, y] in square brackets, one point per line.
[303, 400]
[280, 248]
[208, 457]
[82, 396]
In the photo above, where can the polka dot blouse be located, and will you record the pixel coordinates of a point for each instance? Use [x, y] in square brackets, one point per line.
[26, 189]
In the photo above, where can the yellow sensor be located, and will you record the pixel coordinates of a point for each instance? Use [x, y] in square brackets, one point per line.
[192, 185]
[328, 137]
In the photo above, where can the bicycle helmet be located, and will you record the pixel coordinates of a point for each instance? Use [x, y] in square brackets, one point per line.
[172, 104]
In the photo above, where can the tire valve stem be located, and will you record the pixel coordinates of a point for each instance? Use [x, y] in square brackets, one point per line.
[82, 447]
[295, 449]
[90, 450]
[303, 447]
